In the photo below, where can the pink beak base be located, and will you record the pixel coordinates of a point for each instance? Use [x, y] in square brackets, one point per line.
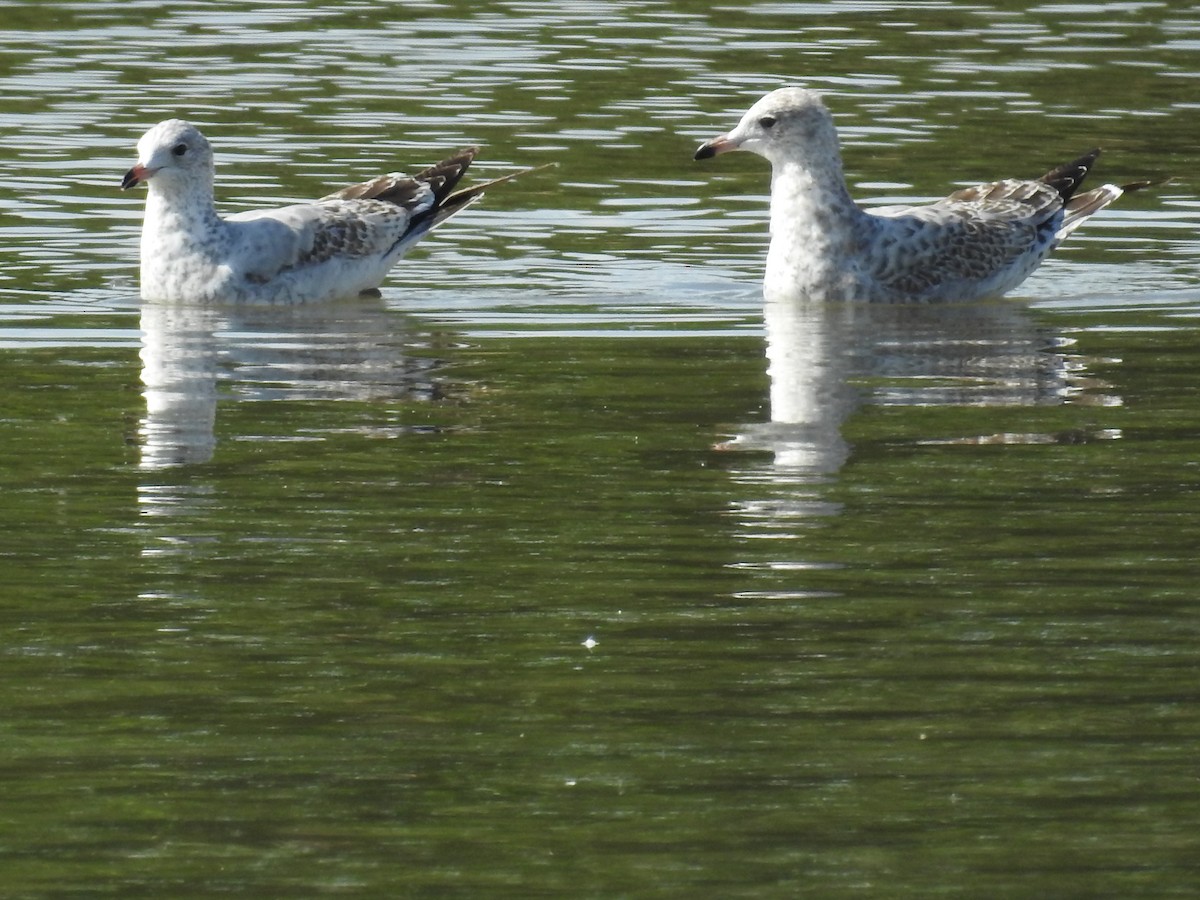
[135, 176]
[715, 147]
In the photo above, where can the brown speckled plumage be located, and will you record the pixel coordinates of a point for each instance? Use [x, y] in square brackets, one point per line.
[977, 242]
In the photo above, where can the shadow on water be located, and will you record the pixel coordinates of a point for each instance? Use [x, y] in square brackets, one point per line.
[346, 352]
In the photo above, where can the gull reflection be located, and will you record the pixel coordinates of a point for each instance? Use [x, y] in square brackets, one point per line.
[191, 356]
[808, 363]
[179, 373]
[827, 360]
[197, 360]
[811, 396]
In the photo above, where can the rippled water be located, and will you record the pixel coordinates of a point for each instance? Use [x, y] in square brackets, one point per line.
[568, 567]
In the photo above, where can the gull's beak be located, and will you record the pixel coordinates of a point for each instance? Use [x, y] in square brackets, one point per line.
[135, 176]
[717, 145]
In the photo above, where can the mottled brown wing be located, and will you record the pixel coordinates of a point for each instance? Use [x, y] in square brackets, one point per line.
[971, 235]
[426, 199]
[1008, 199]
[406, 191]
[355, 229]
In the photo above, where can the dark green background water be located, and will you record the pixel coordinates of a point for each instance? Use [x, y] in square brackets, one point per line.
[567, 568]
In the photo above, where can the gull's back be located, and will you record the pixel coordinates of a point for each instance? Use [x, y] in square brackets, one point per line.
[980, 241]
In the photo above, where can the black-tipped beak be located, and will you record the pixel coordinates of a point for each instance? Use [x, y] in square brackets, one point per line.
[134, 177]
[716, 146]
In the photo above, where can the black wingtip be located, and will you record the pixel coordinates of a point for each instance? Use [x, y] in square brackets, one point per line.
[444, 176]
[459, 200]
[1067, 178]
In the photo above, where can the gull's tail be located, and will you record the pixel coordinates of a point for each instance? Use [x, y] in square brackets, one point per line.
[412, 192]
[449, 204]
[1078, 208]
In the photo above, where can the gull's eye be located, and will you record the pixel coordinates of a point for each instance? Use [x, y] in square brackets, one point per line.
[179, 149]
[767, 121]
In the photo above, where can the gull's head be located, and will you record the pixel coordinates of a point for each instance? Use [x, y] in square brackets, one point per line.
[789, 124]
[171, 151]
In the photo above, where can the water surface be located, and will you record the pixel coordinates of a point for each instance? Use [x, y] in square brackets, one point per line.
[568, 567]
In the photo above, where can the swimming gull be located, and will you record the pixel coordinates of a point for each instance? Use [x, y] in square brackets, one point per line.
[978, 242]
[339, 246]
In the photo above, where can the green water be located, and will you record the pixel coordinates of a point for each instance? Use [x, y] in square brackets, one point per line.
[568, 568]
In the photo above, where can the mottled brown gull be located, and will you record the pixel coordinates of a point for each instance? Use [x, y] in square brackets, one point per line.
[339, 246]
[978, 242]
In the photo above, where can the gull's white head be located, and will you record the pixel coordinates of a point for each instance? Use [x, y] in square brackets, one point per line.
[170, 151]
[791, 124]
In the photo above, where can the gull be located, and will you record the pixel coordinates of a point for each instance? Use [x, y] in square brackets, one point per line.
[339, 246]
[977, 243]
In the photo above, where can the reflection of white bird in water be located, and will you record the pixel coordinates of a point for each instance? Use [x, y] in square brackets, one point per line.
[978, 242]
[179, 370]
[809, 351]
[195, 356]
[339, 246]
[826, 360]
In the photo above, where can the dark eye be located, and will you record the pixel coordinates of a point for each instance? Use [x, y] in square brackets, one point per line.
[179, 149]
[767, 121]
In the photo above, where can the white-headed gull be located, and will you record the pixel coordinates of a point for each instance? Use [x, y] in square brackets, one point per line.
[978, 242]
[339, 246]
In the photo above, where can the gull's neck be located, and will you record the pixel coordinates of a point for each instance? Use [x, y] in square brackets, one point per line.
[181, 206]
[183, 240]
[815, 228]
